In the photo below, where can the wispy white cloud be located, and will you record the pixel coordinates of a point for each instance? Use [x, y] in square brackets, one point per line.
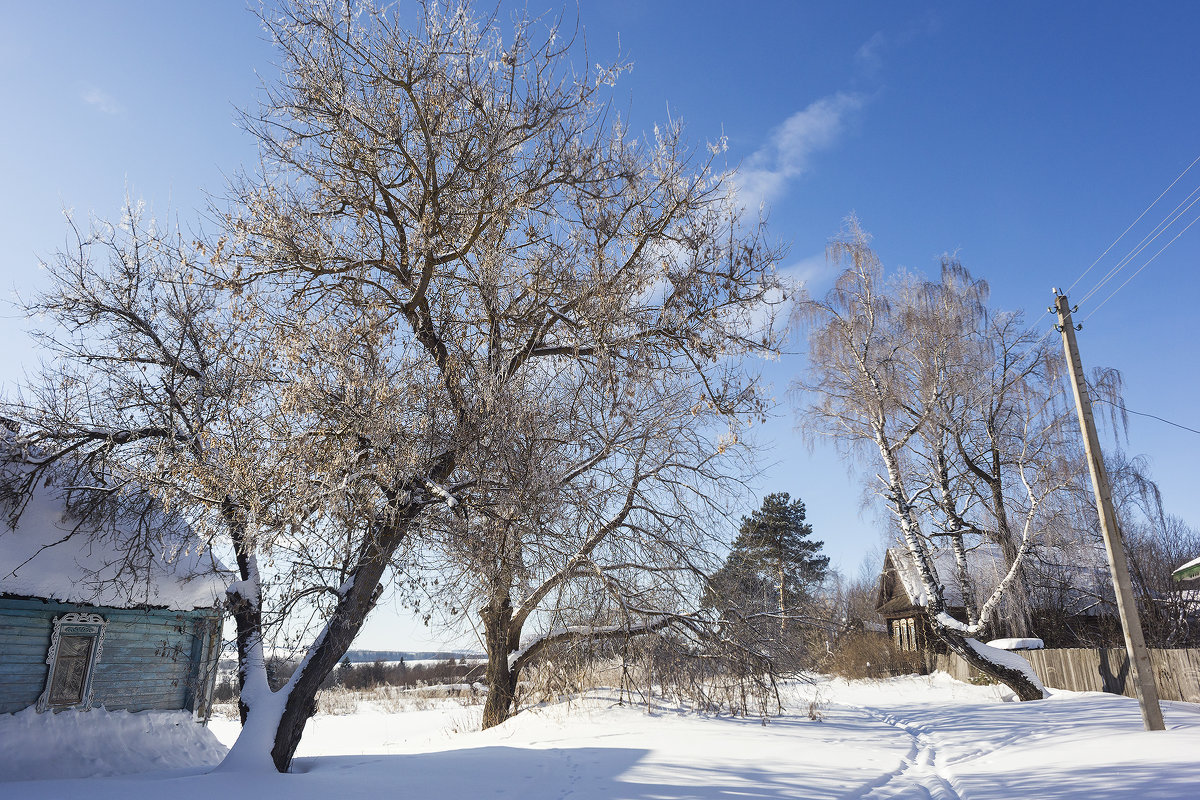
[101, 101]
[869, 56]
[812, 272]
[790, 148]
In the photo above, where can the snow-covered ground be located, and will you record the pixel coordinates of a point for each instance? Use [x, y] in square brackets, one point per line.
[905, 737]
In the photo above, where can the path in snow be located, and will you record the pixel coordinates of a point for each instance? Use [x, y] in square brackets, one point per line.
[1073, 745]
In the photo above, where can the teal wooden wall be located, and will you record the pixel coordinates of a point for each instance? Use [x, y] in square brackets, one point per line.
[151, 658]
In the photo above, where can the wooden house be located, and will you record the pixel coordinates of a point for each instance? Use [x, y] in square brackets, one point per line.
[1071, 598]
[900, 600]
[78, 630]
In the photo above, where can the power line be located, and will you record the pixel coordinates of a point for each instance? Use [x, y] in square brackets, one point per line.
[1146, 241]
[1143, 414]
[1135, 222]
[1139, 269]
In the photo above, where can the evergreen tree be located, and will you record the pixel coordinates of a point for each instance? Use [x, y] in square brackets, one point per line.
[773, 564]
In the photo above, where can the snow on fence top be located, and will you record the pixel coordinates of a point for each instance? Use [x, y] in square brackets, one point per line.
[1017, 644]
[53, 555]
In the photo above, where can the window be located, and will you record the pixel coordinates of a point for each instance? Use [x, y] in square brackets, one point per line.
[904, 632]
[75, 647]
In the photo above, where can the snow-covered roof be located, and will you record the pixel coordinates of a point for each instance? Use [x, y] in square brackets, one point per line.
[53, 555]
[1077, 581]
[985, 568]
[1189, 570]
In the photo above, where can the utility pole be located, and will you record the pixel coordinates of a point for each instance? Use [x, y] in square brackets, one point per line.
[1131, 626]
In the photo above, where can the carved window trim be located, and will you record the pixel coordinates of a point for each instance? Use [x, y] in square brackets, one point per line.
[74, 624]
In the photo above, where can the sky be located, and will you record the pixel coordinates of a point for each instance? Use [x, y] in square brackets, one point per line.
[1023, 138]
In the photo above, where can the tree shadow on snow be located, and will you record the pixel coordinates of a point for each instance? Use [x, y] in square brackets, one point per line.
[1114, 782]
[580, 773]
[482, 773]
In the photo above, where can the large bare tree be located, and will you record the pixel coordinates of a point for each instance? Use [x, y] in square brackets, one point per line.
[450, 236]
[578, 298]
[595, 520]
[963, 412]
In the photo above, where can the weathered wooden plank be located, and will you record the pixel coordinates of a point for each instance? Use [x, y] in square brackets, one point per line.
[123, 679]
[21, 667]
[24, 651]
[143, 704]
[16, 638]
[143, 689]
[122, 696]
[23, 681]
[25, 621]
[166, 648]
[116, 649]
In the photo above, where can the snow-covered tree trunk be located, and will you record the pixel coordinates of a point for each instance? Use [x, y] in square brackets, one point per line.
[273, 721]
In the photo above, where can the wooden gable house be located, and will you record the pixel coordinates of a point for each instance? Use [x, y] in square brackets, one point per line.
[77, 632]
[1071, 597]
[900, 601]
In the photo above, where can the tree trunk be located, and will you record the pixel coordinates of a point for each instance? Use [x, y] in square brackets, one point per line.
[1019, 618]
[1014, 679]
[782, 599]
[954, 639]
[343, 626]
[501, 678]
[288, 710]
[966, 585]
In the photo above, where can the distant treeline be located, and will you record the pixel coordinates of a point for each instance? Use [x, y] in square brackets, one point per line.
[400, 673]
[371, 656]
[368, 675]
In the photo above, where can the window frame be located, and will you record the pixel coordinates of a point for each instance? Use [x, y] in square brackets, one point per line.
[74, 624]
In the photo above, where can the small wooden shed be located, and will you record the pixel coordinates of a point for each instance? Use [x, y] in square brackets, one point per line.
[77, 633]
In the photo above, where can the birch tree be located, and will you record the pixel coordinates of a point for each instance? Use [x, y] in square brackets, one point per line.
[962, 412]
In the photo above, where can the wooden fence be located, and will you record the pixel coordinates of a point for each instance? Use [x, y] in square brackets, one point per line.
[1176, 672]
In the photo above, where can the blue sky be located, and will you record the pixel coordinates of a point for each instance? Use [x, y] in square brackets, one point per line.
[1024, 137]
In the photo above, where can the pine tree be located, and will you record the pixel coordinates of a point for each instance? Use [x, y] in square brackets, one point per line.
[773, 563]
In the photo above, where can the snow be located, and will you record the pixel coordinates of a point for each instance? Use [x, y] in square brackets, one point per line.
[46, 557]
[950, 622]
[97, 743]
[905, 737]
[1017, 644]
[1007, 659]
